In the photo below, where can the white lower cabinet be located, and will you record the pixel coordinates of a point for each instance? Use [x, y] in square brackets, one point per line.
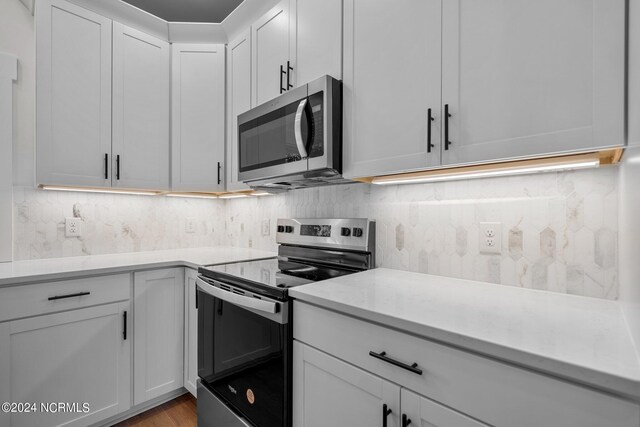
[158, 333]
[329, 392]
[190, 331]
[77, 357]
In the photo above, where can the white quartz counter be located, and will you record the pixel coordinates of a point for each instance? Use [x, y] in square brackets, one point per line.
[19, 272]
[583, 339]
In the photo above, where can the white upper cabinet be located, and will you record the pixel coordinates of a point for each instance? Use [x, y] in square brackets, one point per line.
[316, 39]
[238, 101]
[526, 78]
[271, 38]
[198, 131]
[141, 68]
[158, 304]
[73, 109]
[392, 78]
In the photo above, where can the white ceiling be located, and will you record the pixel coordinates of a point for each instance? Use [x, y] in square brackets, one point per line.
[188, 10]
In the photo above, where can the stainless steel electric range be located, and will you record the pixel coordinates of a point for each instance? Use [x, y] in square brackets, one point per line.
[245, 319]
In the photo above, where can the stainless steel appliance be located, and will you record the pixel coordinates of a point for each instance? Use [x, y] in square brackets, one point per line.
[245, 321]
[295, 140]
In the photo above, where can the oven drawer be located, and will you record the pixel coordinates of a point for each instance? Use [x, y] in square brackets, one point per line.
[32, 300]
[491, 391]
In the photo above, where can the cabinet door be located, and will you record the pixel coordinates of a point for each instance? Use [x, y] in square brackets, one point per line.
[190, 331]
[329, 392]
[198, 117]
[238, 101]
[158, 330]
[422, 412]
[73, 108]
[79, 356]
[391, 80]
[526, 78]
[270, 52]
[316, 29]
[141, 68]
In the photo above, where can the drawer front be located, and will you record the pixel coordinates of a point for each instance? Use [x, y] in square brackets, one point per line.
[33, 300]
[490, 391]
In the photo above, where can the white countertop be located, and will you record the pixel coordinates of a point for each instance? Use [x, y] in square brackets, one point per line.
[582, 339]
[19, 272]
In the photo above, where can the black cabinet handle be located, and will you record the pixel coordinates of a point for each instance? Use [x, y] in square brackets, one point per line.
[196, 297]
[385, 414]
[219, 168]
[124, 329]
[106, 165]
[405, 420]
[447, 143]
[118, 167]
[429, 120]
[79, 294]
[383, 356]
[289, 69]
[282, 73]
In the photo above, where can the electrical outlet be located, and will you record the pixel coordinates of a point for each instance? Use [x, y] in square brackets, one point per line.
[265, 228]
[73, 227]
[490, 238]
[190, 225]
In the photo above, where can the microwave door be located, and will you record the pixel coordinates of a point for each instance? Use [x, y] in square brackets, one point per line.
[325, 109]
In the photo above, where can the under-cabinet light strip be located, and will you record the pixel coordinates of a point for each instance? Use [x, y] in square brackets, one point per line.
[496, 171]
[98, 190]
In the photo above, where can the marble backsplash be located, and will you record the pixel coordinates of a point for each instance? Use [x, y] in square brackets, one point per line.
[559, 230]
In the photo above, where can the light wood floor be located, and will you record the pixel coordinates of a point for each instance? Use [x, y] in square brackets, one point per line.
[179, 412]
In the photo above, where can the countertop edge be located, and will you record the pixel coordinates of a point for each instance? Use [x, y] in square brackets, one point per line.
[627, 388]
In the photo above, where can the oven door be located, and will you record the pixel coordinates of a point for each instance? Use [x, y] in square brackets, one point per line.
[244, 352]
[273, 137]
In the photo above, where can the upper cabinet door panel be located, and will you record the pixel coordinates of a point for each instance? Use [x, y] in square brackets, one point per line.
[141, 68]
[198, 117]
[526, 78]
[74, 95]
[270, 51]
[238, 102]
[392, 73]
[317, 44]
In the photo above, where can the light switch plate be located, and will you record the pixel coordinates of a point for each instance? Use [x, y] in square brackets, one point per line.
[490, 238]
[73, 227]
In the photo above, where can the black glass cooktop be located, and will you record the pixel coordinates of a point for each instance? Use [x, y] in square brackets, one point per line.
[272, 276]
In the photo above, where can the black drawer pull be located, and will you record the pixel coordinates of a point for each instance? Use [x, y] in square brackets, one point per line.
[447, 143]
[282, 73]
[106, 166]
[219, 169]
[118, 167]
[385, 414]
[124, 326]
[289, 69]
[429, 120]
[383, 356]
[79, 294]
[405, 420]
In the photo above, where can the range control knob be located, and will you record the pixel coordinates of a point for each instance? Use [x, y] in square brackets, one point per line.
[281, 229]
[288, 229]
[344, 231]
[357, 232]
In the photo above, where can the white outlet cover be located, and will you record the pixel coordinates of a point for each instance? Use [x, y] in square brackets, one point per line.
[73, 227]
[490, 238]
[265, 228]
[190, 225]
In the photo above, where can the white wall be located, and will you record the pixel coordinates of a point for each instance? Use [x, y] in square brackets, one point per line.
[17, 38]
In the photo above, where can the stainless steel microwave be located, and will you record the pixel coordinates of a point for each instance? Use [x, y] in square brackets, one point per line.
[295, 140]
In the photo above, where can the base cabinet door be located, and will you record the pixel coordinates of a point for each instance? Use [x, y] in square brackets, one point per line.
[197, 117]
[141, 70]
[525, 78]
[392, 57]
[73, 107]
[76, 357]
[158, 333]
[421, 412]
[329, 392]
[190, 331]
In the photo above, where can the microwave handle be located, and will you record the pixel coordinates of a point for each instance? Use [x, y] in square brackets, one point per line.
[298, 128]
[239, 300]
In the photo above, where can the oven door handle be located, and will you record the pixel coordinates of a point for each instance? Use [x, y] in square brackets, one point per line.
[239, 300]
[298, 128]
